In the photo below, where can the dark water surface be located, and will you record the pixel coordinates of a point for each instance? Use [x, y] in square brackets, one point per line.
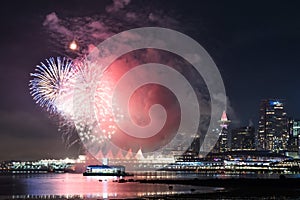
[53, 186]
[77, 186]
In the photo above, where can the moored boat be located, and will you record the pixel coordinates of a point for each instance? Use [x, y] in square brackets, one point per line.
[105, 170]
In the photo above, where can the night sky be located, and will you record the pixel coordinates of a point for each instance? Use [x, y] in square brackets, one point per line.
[254, 44]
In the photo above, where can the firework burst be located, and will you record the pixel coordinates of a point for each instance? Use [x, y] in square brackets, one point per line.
[77, 91]
[51, 84]
[92, 103]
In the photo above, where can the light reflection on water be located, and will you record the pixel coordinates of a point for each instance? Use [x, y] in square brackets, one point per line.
[53, 186]
[192, 175]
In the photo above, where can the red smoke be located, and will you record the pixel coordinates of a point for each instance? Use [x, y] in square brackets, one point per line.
[142, 100]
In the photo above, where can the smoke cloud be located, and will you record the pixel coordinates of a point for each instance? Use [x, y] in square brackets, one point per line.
[117, 5]
[121, 15]
[54, 24]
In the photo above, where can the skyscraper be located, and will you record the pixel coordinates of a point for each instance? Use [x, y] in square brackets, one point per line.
[222, 144]
[294, 134]
[273, 125]
[243, 138]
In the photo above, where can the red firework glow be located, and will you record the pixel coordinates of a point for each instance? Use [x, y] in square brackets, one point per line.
[140, 103]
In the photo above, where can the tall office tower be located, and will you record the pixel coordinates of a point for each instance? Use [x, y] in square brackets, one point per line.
[243, 138]
[273, 126]
[294, 134]
[222, 144]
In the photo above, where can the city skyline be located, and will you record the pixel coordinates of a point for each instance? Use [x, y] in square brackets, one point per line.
[254, 45]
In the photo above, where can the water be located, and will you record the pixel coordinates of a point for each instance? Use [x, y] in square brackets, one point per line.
[54, 186]
[77, 186]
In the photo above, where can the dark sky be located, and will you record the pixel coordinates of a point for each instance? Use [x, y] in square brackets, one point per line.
[256, 46]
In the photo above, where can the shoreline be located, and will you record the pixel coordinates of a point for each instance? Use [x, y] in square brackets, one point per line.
[236, 188]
